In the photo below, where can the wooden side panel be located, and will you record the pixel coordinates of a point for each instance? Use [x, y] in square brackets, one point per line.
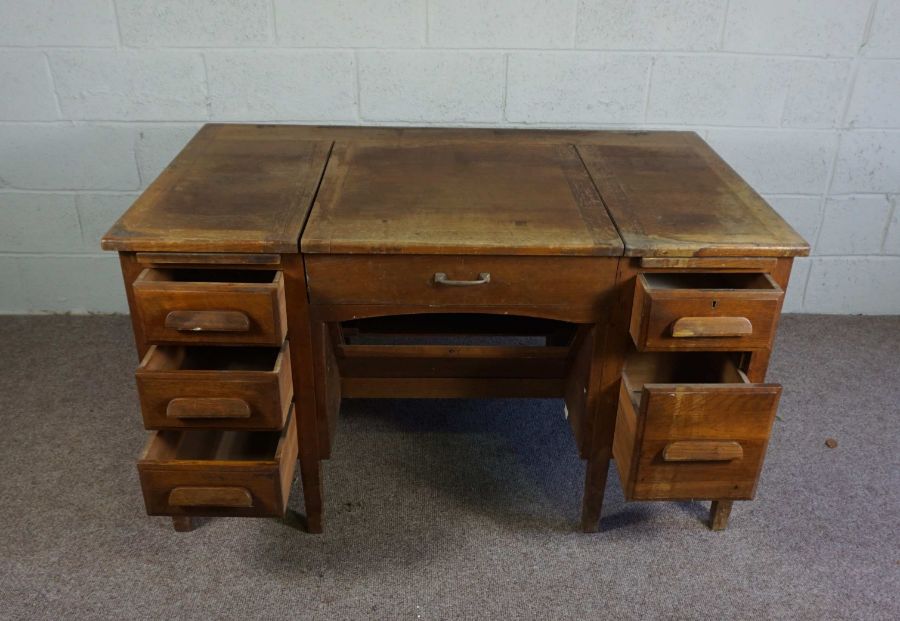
[625, 441]
[313, 439]
[758, 361]
[287, 462]
[328, 382]
[131, 269]
[577, 382]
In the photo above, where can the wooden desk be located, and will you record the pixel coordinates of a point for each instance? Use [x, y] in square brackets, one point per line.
[642, 278]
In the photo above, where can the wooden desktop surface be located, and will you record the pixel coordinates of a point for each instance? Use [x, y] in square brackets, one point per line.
[247, 188]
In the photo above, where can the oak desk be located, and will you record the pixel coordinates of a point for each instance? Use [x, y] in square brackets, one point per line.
[273, 270]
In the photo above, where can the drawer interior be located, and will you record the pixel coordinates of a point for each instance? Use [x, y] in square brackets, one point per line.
[214, 445]
[209, 275]
[190, 358]
[715, 281]
[680, 368]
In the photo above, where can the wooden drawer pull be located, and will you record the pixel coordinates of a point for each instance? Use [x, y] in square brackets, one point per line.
[210, 497]
[208, 321]
[702, 450]
[688, 327]
[440, 278]
[207, 408]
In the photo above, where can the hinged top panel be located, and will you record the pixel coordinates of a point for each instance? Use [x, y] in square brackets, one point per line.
[250, 188]
[678, 198]
[422, 196]
[223, 195]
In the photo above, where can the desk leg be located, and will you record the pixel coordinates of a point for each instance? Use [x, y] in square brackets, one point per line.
[719, 513]
[305, 405]
[601, 410]
[182, 523]
[610, 343]
[594, 488]
[311, 478]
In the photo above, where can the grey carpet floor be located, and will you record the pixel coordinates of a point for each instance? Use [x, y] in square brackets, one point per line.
[449, 509]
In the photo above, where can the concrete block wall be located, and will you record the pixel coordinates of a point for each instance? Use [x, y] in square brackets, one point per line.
[802, 97]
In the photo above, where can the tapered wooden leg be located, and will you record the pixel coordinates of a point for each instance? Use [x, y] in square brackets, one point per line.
[718, 514]
[311, 477]
[594, 487]
[313, 442]
[183, 523]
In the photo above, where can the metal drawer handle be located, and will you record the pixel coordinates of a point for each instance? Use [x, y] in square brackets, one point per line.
[236, 497]
[208, 321]
[440, 278]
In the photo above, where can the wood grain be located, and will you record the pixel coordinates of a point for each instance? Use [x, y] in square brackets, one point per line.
[719, 513]
[207, 321]
[702, 450]
[220, 195]
[207, 407]
[257, 462]
[710, 327]
[210, 497]
[567, 282]
[208, 310]
[680, 199]
[421, 197]
[667, 307]
[208, 259]
[234, 388]
[655, 414]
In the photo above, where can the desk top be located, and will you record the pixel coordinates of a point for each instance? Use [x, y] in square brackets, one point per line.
[249, 188]
[425, 197]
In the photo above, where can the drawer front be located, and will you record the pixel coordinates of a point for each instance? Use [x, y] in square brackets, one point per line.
[218, 487]
[694, 441]
[175, 398]
[705, 319]
[582, 282]
[235, 313]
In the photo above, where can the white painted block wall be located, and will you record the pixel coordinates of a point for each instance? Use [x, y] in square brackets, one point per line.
[801, 96]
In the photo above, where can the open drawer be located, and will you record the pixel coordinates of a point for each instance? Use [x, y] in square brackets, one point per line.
[224, 473]
[704, 311]
[691, 426]
[211, 306]
[184, 387]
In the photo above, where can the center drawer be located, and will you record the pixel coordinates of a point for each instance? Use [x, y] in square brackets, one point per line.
[691, 426]
[211, 306]
[184, 387]
[450, 280]
[704, 311]
[224, 473]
